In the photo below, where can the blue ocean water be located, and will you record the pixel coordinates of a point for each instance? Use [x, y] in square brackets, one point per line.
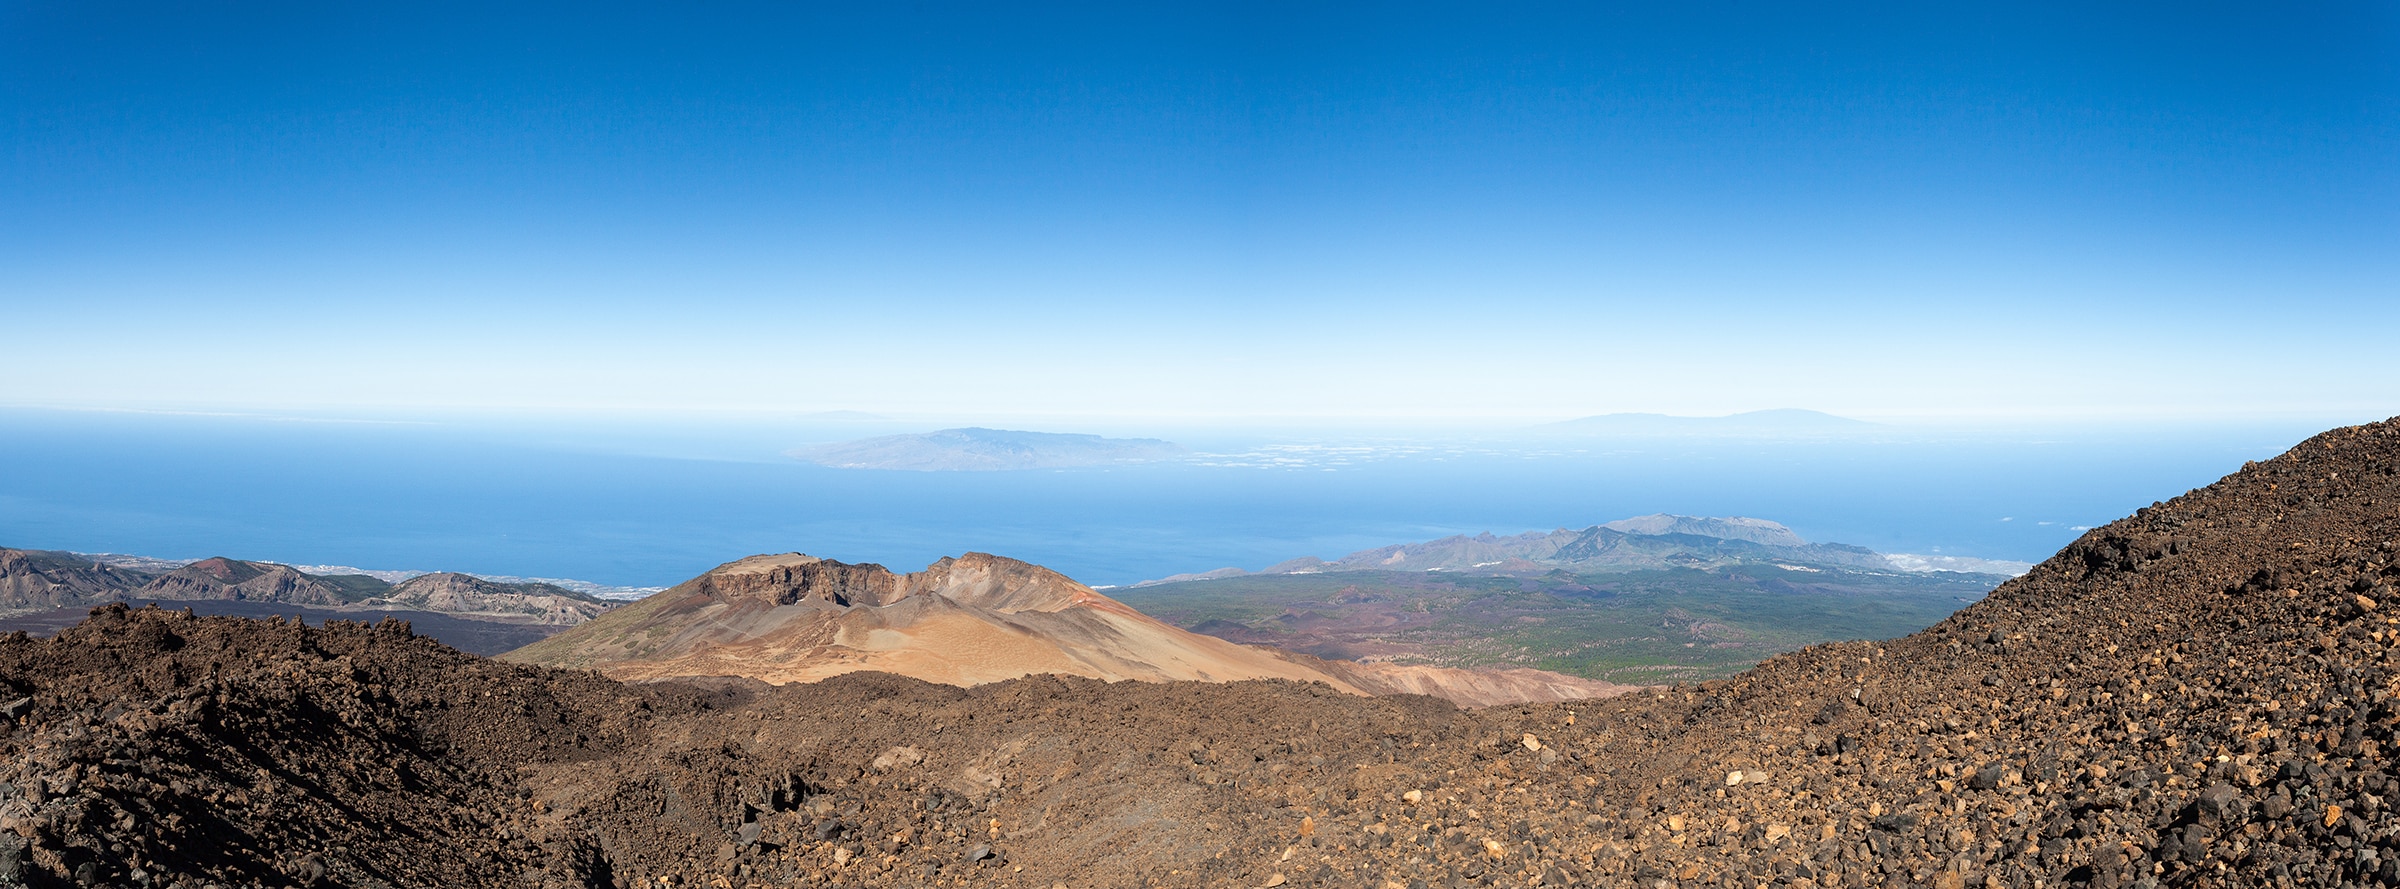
[632, 505]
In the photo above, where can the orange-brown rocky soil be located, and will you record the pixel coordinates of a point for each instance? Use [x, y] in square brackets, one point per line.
[2201, 694]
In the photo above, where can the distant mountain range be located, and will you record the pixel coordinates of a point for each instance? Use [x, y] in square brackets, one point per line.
[976, 449]
[37, 580]
[155, 565]
[987, 450]
[969, 620]
[1633, 544]
[451, 593]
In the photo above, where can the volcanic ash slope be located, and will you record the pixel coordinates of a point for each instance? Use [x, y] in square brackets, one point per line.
[963, 621]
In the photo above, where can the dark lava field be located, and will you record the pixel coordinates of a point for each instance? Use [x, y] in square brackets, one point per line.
[2200, 694]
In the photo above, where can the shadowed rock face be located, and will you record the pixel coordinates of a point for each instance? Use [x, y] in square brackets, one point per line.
[967, 620]
[2202, 694]
[794, 578]
[976, 579]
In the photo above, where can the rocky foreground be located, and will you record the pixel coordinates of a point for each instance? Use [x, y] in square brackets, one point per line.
[2201, 694]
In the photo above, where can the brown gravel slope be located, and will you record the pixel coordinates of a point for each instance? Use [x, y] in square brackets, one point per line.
[2201, 694]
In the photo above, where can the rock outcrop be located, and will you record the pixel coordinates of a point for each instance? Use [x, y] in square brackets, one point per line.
[969, 620]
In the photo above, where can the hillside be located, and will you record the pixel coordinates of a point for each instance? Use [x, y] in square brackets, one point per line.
[466, 595]
[1641, 543]
[971, 620]
[1636, 627]
[43, 592]
[37, 579]
[236, 580]
[2197, 695]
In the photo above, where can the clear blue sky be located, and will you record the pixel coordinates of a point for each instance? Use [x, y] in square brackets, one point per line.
[1378, 210]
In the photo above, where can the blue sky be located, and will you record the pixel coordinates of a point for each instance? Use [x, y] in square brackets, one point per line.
[1367, 211]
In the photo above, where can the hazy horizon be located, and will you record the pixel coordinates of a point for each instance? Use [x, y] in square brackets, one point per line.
[648, 505]
[554, 290]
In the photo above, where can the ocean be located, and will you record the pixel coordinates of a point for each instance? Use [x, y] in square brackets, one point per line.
[647, 503]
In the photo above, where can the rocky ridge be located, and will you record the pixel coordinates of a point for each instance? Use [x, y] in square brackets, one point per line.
[1759, 531]
[35, 583]
[223, 578]
[2201, 694]
[1631, 544]
[39, 579]
[467, 595]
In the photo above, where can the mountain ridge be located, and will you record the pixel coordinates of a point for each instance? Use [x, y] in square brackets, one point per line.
[966, 620]
[466, 594]
[1659, 540]
[38, 580]
[219, 577]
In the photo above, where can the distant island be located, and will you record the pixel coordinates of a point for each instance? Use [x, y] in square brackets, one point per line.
[1768, 422]
[845, 416]
[987, 450]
